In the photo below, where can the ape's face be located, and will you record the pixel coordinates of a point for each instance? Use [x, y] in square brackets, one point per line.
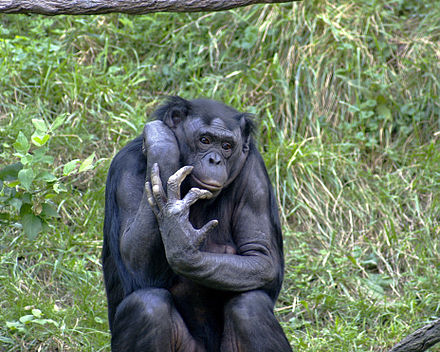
[211, 139]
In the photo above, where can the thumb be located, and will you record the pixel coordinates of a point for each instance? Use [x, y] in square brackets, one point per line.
[201, 233]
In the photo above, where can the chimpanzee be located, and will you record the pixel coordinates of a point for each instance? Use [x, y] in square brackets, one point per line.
[192, 253]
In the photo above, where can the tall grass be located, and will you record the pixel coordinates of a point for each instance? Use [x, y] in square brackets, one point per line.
[346, 97]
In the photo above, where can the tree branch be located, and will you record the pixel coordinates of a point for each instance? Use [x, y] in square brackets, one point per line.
[91, 7]
[420, 340]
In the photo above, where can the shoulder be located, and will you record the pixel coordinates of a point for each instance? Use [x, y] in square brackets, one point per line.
[252, 190]
[127, 173]
[254, 174]
[130, 157]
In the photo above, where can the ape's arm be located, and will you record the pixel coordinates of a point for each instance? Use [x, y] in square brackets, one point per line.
[258, 260]
[140, 242]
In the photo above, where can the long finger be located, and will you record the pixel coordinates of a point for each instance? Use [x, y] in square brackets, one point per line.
[158, 192]
[150, 198]
[174, 182]
[194, 194]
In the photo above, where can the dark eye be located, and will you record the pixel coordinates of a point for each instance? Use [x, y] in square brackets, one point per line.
[226, 146]
[204, 140]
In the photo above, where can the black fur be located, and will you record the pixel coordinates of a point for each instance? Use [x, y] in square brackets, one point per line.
[204, 310]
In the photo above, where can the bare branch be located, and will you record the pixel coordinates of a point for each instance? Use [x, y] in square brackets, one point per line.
[90, 7]
[421, 339]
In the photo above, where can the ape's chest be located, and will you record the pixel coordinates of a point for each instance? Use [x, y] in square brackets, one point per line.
[221, 238]
[219, 241]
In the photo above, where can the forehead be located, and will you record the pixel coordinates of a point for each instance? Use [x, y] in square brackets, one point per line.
[210, 110]
[216, 127]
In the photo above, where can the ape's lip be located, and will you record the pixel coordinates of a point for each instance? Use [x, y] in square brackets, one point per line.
[209, 186]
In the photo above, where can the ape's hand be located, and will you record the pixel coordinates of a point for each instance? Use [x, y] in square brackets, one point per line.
[181, 240]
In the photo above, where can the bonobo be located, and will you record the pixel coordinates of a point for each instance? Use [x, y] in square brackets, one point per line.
[192, 252]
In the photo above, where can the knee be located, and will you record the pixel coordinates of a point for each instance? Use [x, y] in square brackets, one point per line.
[152, 305]
[249, 306]
[156, 303]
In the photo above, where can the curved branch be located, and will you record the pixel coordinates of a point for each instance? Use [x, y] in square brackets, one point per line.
[420, 340]
[91, 7]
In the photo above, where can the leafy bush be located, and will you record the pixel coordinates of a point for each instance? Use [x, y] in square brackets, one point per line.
[30, 186]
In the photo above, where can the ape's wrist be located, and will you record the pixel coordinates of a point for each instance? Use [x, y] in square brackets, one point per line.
[182, 258]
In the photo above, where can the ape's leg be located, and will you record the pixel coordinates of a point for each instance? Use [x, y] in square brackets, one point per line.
[147, 320]
[250, 325]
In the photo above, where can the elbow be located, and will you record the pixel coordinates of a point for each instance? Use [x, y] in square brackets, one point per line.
[125, 248]
[127, 255]
[270, 273]
[264, 271]
[132, 251]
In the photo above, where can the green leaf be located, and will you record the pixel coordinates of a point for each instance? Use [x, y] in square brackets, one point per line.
[27, 159]
[370, 103]
[45, 322]
[14, 325]
[99, 320]
[12, 184]
[27, 199]
[39, 139]
[59, 187]
[5, 339]
[26, 176]
[382, 110]
[366, 114]
[352, 259]
[47, 177]
[26, 318]
[58, 121]
[16, 203]
[32, 225]
[21, 144]
[36, 313]
[49, 211]
[40, 125]
[87, 163]
[10, 172]
[69, 167]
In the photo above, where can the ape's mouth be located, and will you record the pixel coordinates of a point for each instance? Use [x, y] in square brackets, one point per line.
[210, 186]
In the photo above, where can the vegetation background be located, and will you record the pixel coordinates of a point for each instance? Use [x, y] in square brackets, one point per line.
[346, 96]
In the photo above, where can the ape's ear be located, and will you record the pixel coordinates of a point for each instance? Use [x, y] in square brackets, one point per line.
[173, 111]
[174, 116]
[247, 129]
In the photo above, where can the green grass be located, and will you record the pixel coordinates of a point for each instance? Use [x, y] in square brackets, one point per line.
[346, 97]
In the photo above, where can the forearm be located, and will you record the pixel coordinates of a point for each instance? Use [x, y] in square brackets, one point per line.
[139, 239]
[226, 271]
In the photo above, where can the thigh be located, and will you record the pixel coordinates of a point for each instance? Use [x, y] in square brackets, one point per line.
[250, 325]
[147, 320]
